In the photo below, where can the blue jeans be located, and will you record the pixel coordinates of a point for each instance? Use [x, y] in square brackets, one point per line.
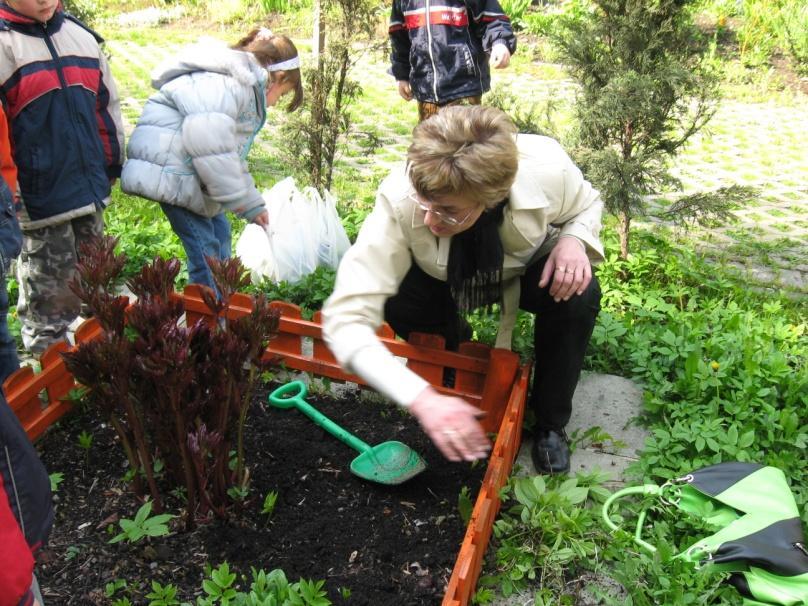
[8, 346]
[200, 237]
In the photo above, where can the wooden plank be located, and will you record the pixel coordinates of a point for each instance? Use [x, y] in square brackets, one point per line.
[286, 342]
[430, 369]
[502, 367]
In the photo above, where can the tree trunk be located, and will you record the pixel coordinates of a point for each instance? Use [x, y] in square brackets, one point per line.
[625, 223]
[318, 39]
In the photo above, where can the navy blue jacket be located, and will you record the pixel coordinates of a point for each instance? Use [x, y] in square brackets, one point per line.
[26, 510]
[442, 48]
[10, 236]
[64, 114]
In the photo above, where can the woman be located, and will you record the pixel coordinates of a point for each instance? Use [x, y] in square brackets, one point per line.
[478, 215]
[188, 151]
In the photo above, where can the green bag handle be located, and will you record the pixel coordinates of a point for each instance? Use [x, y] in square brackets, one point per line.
[644, 490]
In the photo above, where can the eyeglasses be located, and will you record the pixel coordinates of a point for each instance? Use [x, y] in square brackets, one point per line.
[444, 215]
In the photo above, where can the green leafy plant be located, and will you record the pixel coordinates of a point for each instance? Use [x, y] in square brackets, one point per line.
[181, 391]
[75, 395]
[268, 507]
[56, 478]
[113, 587]
[794, 20]
[71, 552]
[268, 589]
[86, 443]
[143, 525]
[238, 493]
[723, 368]
[152, 236]
[546, 530]
[516, 11]
[758, 33]
[465, 505]
[219, 587]
[162, 596]
[309, 293]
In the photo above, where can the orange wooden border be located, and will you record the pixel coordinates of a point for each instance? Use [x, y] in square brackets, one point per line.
[491, 379]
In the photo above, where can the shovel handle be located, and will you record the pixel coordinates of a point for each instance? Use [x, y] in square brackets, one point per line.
[295, 393]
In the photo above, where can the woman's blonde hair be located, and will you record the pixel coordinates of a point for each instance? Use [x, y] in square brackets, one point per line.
[467, 151]
[269, 48]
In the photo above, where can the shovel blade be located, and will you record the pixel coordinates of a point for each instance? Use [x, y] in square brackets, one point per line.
[388, 463]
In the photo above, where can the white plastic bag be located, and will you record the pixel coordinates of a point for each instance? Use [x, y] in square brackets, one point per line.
[293, 239]
[332, 241]
[304, 232]
[255, 251]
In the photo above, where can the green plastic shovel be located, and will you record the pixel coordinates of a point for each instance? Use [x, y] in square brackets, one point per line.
[387, 463]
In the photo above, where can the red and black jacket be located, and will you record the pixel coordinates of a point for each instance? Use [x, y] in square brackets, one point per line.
[26, 510]
[64, 113]
[442, 46]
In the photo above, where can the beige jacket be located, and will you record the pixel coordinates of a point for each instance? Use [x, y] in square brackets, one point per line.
[549, 198]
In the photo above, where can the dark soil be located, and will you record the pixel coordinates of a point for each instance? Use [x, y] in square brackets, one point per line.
[388, 545]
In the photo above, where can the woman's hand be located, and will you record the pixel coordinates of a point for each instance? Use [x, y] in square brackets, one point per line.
[451, 423]
[262, 219]
[568, 267]
[405, 90]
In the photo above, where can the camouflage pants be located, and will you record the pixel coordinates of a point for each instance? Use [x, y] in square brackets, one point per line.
[47, 306]
[426, 109]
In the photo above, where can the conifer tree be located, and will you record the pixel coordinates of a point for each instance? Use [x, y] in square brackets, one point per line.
[645, 90]
[314, 135]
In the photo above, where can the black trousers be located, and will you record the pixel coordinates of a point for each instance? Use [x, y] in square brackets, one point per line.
[560, 336]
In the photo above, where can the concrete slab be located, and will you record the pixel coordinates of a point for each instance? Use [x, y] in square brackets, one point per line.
[612, 404]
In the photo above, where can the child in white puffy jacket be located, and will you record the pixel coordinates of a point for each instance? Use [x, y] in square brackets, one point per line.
[188, 151]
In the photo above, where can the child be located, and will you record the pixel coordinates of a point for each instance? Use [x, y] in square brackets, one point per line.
[441, 53]
[67, 138]
[26, 512]
[188, 151]
[10, 243]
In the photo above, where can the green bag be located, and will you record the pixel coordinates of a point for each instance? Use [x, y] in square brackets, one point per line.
[758, 539]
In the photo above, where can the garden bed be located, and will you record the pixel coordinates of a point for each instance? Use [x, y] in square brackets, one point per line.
[375, 544]
[488, 378]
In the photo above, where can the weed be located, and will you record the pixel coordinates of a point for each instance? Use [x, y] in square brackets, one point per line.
[162, 596]
[56, 478]
[111, 588]
[86, 443]
[268, 507]
[143, 525]
[71, 552]
[465, 505]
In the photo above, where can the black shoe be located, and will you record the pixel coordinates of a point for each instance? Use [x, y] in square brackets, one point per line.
[550, 452]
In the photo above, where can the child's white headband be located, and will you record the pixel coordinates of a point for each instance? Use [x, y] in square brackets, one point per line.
[292, 63]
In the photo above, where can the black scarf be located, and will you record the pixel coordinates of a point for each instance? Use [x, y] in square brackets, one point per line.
[475, 262]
